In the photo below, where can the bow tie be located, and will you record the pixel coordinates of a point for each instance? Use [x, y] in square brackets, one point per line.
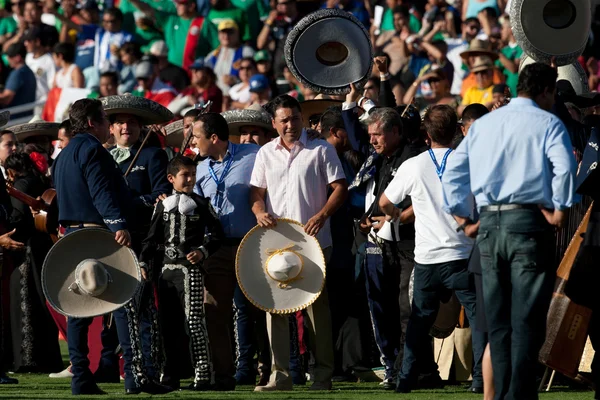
[120, 154]
[186, 204]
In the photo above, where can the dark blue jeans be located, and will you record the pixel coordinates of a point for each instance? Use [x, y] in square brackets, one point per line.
[518, 278]
[434, 282]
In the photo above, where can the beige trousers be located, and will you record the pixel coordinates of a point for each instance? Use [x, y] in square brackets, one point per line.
[319, 331]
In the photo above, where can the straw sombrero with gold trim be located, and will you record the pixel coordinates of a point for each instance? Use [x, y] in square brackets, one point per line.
[280, 270]
[87, 273]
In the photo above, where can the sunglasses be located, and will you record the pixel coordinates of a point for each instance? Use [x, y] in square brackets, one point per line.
[245, 68]
[433, 80]
[484, 72]
[109, 21]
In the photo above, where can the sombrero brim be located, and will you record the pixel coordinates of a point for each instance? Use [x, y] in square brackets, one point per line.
[149, 112]
[24, 131]
[310, 107]
[479, 53]
[58, 273]
[238, 118]
[263, 291]
[481, 68]
[174, 131]
[4, 118]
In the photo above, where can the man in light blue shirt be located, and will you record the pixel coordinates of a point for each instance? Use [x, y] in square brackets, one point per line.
[518, 162]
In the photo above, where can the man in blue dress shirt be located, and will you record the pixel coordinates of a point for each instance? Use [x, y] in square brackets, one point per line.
[518, 162]
[224, 177]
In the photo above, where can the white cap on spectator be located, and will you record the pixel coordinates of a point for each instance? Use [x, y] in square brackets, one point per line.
[159, 49]
[144, 70]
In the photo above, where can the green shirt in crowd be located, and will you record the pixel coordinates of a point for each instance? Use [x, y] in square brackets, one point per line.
[256, 12]
[236, 14]
[387, 22]
[128, 9]
[7, 25]
[512, 78]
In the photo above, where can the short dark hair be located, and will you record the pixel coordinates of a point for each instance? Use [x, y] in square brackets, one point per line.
[474, 111]
[214, 124]
[67, 126]
[112, 75]
[471, 20]
[283, 101]
[401, 10]
[178, 163]
[66, 50]
[83, 111]
[535, 78]
[332, 118]
[250, 60]
[116, 13]
[194, 112]
[6, 132]
[440, 123]
[132, 49]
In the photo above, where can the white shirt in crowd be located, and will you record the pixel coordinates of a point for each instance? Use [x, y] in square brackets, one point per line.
[436, 239]
[239, 93]
[297, 181]
[44, 69]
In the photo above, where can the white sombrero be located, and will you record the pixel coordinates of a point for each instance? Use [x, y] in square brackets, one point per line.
[280, 270]
[87, 273]
[149, 112]
[253, 115]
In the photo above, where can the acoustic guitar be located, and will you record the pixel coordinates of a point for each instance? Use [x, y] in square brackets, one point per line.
[45, 209]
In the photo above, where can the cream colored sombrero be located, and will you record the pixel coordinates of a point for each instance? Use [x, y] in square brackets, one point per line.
[148, 111]
[280, 270]
[87, 273]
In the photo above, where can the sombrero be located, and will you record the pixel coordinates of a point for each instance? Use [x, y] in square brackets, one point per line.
[4, 118]
[280, 270]
[478, 48]
[254, 115]
[323, 59]
[87, 273]
[318, 106]
[573, 73]
[149, 112]
[174, 133]
[30, 129]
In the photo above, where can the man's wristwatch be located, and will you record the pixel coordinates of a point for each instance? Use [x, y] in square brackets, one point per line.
[463, 226]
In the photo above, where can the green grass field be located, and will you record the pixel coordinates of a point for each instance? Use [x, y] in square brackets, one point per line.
[37, 386]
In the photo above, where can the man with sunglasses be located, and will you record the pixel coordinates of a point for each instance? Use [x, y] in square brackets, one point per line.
[470, 30]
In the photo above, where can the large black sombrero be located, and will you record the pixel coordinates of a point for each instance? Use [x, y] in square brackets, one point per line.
[149, 112]
[253, 115]
[329, 49]
[552, 28]
[4, 118]
[30, 129]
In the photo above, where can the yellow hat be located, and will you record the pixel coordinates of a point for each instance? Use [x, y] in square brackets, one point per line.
[227, 24]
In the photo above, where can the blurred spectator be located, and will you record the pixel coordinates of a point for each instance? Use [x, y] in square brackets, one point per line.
[39, 59]
[202, 89]
[150, 85]
[256, 12]
[499, 93]
[69, 75]
[85, 37]
[21, 84]
[130, 57]
[476, 49]
[387, 22]
[509, 56]
[8, 21]
[264, 65]
[483, 69]
[239, 94]
[293, 87]
[225, 59]
[145, 31]
[371, 88]
[472, 8]
[186, 33]
[277, 26]
[391, 41]
[440, 21]
[440, 91]
[109, 82]
[354, 7]
[169, 73]
[470, 28]
[222, 10]
[260, 92]
[31, 17]
[109, 40]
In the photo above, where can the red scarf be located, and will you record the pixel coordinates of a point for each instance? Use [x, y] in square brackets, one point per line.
[189, 51]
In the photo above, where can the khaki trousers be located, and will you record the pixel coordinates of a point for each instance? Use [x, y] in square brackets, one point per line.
[319, 331]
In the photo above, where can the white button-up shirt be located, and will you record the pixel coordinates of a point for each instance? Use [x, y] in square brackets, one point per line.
[297, 180]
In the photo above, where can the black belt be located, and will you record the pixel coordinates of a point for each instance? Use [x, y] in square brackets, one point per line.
[510, 207]
[231, 242]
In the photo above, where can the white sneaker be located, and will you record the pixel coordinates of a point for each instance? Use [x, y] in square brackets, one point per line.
[66, 373]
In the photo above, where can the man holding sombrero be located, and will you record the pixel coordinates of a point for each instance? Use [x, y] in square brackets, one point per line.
[147, 180]
[291, 179]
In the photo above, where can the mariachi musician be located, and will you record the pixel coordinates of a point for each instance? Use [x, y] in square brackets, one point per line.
[145, 169]
[91, 192]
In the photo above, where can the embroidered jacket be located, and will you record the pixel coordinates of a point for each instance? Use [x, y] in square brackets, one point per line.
[182, 223]
[89, 186]
[147, 180]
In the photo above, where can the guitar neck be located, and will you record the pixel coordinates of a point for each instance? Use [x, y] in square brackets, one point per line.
[37, 205]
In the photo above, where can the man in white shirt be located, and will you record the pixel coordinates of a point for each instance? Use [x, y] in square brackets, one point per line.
[291, 178]
[39, 60]
[441, 248]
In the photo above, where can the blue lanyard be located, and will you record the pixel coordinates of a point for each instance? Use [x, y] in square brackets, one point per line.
[439, 169]
[220, 180]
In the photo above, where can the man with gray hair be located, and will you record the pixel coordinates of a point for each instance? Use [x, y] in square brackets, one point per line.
[389, 249]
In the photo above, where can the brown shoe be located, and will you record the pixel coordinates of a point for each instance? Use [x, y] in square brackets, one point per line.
[275, 386]
[321, 386]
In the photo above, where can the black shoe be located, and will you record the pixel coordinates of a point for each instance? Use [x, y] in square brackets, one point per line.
[5, 380]
[172, 383]
[153, 387]
[136, 390]
[200, 386]
[388, 384]
[90, 390]
[475, 389]
[430, 381]
[246, 380]
[402, 386]
[105, 377]
[224, 386]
